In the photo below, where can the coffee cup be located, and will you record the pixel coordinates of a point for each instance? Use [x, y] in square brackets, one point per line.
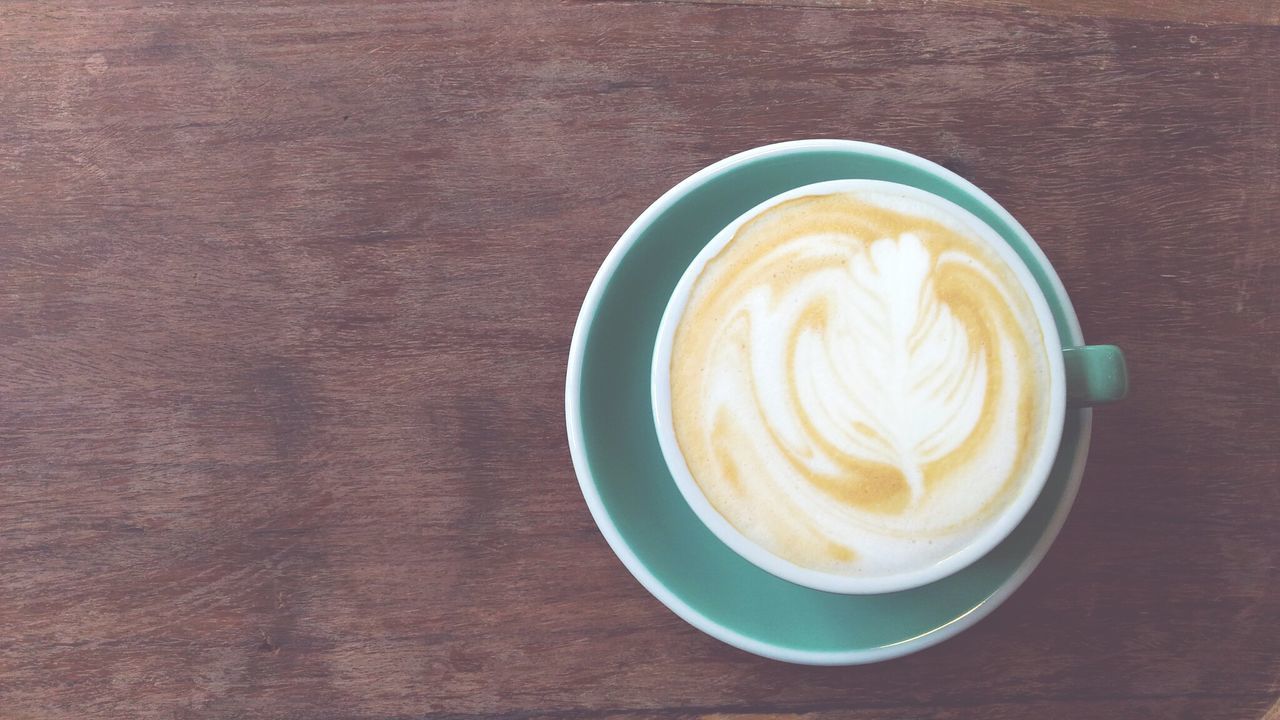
[858, 386]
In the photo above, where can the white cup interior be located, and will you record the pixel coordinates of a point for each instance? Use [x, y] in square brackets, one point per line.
[981, 543]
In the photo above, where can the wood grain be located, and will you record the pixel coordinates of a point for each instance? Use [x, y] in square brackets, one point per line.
[286, 292]
[1204, 12]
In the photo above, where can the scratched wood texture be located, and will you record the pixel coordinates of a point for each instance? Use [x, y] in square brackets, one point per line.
[286, 292]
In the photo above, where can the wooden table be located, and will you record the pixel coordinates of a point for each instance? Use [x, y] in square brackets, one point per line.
[286, 292]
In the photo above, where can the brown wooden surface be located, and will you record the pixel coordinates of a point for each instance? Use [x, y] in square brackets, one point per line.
[286, 292]
[1185, 11]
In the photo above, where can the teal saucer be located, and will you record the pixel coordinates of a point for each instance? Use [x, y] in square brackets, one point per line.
[636, 503]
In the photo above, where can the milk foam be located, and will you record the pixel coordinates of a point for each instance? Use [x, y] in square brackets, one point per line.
[858, 382]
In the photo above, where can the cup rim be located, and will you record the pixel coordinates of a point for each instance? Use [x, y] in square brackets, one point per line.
[978, 546]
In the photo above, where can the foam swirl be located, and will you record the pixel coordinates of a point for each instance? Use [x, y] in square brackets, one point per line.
[857, 382]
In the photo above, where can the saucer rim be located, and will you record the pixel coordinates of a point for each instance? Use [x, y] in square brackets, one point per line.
[622, 549]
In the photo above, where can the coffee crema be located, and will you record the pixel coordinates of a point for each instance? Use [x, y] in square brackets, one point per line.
[859, 382]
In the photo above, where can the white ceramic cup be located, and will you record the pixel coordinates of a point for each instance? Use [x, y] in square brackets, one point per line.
[981, 543]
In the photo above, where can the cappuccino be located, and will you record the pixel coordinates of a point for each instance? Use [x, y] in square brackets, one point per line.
[859, 381]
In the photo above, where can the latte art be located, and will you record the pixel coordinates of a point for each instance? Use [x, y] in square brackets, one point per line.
[858, 382]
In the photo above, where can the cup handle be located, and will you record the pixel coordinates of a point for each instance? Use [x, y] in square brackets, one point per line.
[1096, 375]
